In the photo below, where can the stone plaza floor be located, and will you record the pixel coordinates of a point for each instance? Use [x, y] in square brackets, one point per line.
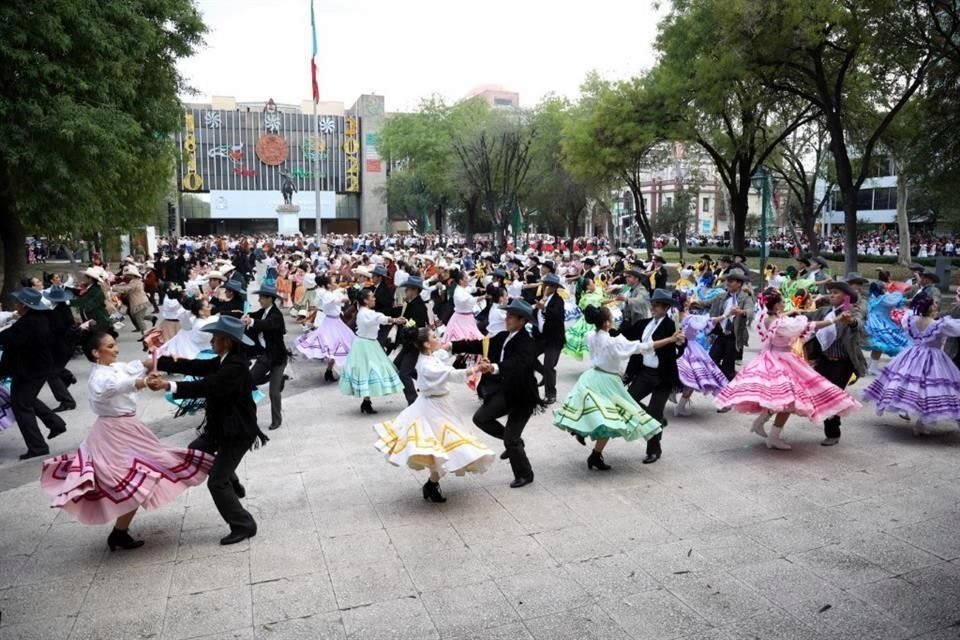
[721, 539]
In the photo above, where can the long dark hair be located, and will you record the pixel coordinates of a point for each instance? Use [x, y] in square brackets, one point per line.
[597, 316]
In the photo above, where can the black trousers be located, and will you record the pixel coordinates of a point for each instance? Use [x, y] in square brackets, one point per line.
[495, 406]
[58, 387]
[406, 364]
[548, 369]
[838, 372]
[261, 372]
[649, 382]
[222, 480]
[383, 337]
[723, 351]
[27, 408]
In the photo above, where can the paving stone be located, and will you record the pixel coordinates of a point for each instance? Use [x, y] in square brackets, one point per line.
[718, 597]
[542, 592]
[770, 625]
[359, 548]
[142, 621]
[511, 555]
[577, 624]
[394, 619]
[512, 631]
[610, 576]
[38, 629]
[655, 614]
[571, 544]
[914, 607]
[889, 552]
[130, 589]
[207, 613]
[207, 574]
[320, 626]
[292, 597]
[462, 610]
[32, 601]
[358, 585]
[840, 567]
[292, 556]
[450, 568]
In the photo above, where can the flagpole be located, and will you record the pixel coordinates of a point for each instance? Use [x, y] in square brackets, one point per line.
[316, 126]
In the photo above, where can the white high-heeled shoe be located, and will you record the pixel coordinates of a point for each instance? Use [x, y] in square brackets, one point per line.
[757, 426]
[774, 441]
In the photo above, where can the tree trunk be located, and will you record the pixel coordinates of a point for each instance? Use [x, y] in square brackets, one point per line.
[739, 206]
[810, 226]
[903, 225]
[645, 229]
[844, 168]
[14, 240]
[850, 230]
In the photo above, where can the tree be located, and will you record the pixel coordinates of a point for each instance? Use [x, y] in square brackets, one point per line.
[710, 98]
[425, 178]
[88, 108]
[614, 139]
[857, 63]
[676, 217]
[799, 162]
[559, 197]
[495, 161]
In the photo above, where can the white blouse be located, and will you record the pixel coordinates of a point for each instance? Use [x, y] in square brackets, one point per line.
[368, 323]
[497, 320]
[113, 390]
[462, 300]
[331, 302]
[611, 354]
[433, 374]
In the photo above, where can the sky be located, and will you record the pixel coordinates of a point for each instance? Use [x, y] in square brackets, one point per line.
[407, 50]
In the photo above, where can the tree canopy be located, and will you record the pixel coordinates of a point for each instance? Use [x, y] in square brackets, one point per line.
[88, 107]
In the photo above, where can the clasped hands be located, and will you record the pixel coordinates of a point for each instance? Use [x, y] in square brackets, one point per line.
[484, 366]
[156, 382]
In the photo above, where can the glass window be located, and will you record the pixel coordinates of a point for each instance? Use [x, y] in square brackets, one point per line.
[885, 198]
[706, 205]
[865, 200]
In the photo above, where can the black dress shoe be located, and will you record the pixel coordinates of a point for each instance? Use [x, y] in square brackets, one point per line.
[328, 376]
[651, 458]
[431, 492]
[551, 400]
[64, 406]
[521, 482]
[33, 454]
[55, 432]
[237, 536]
[239, 490]
[122, 540]
[273, 427]
[367, 407]
[595, 461]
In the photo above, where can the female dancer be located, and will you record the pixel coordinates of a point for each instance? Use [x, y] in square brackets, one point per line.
[462, 325]
[697, 370]
[121, 466]
[778, 382]
[190, 340]
[884, 334]
[170, 312]
[332, 338]
[922, 380]
[367, 371]
[576, 344]
[599, 406]
[429, 434]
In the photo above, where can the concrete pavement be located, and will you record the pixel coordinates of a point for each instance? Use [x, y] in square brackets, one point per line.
[720, 539]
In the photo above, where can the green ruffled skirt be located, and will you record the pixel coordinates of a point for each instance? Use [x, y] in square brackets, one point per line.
[576, 344]
[599, 407]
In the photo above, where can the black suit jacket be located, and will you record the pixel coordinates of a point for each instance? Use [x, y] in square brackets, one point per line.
[516, 363]
[666, 356]
[269, 324]
[64, 332]
[232, 307]
[554, 333]
[227, 386]
[384, 300]
[416, 310]
[27, 352]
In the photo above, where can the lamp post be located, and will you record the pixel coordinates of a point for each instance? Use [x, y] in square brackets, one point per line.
[761, 182]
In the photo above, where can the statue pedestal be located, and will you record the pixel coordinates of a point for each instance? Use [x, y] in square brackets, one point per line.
[288, 219]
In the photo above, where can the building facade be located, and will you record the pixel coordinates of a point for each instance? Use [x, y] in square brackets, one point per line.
[236, 156]
[876, 200]
[496, 96]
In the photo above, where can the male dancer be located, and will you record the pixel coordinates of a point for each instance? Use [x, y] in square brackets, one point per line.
[231, 428]
[508, 386]
[550, 334]
[266, 328]
[414, 308]
[840, 347]
[730, 336]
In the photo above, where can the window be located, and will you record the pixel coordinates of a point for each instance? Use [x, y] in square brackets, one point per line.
[865, 200]
[668, 201]
[885, 198]
[706, 205]
[502, 102]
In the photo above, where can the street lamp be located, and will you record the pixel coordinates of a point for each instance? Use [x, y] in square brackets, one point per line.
[761, 182]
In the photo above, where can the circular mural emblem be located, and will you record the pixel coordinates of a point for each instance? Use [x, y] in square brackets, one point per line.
[272, 150]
